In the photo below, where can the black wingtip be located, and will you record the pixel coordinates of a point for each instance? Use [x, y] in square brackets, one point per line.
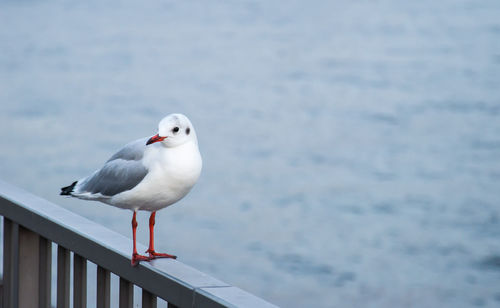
[66, 191]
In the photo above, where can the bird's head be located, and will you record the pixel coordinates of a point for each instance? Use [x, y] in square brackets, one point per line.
[174, 130]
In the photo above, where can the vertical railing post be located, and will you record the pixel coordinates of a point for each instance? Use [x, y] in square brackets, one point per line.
[27, 259]
[148, 299]
[45, 273]
[10, 263]
[103, 287]
[63, 274]
[79, 281]
[126, 294]
[169, 305]
[28, 268]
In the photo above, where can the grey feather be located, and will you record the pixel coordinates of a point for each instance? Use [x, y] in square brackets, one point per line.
[132, 151]
[123, 171]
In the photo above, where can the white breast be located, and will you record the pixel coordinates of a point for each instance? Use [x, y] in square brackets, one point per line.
[172, 174]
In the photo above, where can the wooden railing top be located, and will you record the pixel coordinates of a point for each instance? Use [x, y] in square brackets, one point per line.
[169, 279]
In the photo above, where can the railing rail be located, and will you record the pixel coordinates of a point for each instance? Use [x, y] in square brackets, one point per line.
[31, 224]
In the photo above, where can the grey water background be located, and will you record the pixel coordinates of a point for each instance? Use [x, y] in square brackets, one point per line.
[351, 148]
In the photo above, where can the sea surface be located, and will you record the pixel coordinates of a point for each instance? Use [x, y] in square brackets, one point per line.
[351, 148]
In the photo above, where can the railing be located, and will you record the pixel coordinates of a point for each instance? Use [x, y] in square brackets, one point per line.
[32, 224]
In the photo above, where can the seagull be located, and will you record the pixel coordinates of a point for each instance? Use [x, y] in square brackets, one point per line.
[148, 174]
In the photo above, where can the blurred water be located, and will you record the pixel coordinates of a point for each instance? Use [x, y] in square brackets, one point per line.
[351, 149]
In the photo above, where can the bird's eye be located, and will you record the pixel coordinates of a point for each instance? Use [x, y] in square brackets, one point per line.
[188, 131]
[175, 129]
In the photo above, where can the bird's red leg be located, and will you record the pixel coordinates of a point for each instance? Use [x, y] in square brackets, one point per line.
[152, 253]
[135, 256]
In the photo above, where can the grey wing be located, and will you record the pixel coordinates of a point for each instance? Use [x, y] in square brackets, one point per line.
[115, 177]
[123, 171]
[132, 151]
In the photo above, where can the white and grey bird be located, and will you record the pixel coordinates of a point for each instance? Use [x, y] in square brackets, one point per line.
[147, 174]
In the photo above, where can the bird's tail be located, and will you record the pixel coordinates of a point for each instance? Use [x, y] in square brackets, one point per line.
[66, 191]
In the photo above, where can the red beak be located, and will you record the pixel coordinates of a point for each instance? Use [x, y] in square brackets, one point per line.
[154, 139]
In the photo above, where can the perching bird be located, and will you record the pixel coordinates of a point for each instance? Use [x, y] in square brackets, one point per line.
[146, 174]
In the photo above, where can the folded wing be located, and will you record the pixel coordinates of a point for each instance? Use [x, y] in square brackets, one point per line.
[123, 171]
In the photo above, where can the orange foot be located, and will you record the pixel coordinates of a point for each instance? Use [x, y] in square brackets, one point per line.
[153, 255]
[136, 258]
